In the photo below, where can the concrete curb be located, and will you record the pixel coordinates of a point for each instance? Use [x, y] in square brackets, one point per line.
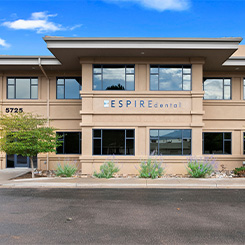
[176, 183]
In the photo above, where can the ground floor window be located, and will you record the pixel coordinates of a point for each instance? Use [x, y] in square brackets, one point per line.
[243, 143]
[18, 161]
[113, 142]
[71, 143]
[170, 142]
[216, 143]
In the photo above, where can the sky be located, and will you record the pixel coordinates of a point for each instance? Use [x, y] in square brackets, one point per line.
[23, 23]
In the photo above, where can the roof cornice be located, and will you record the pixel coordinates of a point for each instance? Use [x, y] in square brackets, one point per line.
[235, 61]
[28, 60]
[142, 43]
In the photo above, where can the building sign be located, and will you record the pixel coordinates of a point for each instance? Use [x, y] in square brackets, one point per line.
[143, 103]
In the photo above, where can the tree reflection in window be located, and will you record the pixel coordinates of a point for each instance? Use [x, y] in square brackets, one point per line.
[113, 77]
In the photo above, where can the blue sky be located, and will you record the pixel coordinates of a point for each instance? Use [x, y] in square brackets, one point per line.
[23, 23]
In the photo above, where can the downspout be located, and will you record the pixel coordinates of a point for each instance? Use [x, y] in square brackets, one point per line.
[48, 95]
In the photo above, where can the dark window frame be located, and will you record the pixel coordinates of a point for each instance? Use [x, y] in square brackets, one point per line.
[243, 143]
[63, 145]
[223, 146]
[61, 85]
[223, 92]
[244, 88]
[116, 65]
[101, 142]
[171, 66]
[182, 138]
[14, 85]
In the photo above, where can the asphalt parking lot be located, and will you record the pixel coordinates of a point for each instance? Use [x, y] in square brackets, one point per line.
[122, 216]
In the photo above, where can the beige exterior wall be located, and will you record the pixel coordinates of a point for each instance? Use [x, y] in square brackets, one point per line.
[188, 113]
[191, 112]
[62, 114]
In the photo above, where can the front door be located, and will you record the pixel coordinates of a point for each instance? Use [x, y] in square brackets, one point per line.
[18, 161]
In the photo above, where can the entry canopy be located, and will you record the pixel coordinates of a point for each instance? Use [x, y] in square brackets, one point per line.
[215, 51]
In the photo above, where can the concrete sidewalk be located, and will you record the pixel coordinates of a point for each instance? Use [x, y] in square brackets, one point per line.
[222, 183]
[11, 173]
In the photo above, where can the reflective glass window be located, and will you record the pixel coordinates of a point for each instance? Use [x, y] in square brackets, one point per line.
[68, 88]
[244, 88]
[170, 142]
[113, 142]
[217, 88]
[170, 77]
[22, 88]
[113, 77]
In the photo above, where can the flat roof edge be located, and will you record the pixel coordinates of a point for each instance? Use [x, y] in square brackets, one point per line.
[222, 39]
[28, 60]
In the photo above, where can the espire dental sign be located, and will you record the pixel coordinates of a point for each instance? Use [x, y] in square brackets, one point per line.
[129, 103]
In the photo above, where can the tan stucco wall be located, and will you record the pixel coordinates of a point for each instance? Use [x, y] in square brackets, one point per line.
[62, 114]
[95, 116]
[89, 113]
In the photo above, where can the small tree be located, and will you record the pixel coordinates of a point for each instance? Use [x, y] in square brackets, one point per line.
[27, 135]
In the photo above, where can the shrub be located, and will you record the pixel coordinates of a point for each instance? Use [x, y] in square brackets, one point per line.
[151, 168]
[200, 168]
[66, 171]
[107, 170]
[239, 171]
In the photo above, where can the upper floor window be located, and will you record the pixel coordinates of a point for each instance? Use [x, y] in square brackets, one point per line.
[170, 77]
[22, 88]
[113, 77]
[244, 88]
[170, 142]
[68, 87]
[216, 143]
[217, 88]
[71, 143]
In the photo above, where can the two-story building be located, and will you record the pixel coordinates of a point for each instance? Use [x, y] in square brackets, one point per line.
[128, 98]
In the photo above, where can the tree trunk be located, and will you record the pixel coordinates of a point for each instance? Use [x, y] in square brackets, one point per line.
[32, 167]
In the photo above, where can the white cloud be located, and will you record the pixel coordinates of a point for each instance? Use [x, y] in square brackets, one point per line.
[159, 5]
[39, 21]
[3, 43]
[75, 27]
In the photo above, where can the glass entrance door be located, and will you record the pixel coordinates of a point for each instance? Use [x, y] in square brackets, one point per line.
[21, 162]
[18, 161]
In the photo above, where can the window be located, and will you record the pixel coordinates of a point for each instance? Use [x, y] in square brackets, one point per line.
[68, 87]
[170, 77]
[216, 143]
[113, 77]
[113, 142]
[22, 88]
[243, 143]
[244, 88]
[71, 143]
[217, 88]
[170, 142]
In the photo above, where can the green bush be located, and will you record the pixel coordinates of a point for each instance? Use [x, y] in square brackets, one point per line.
[200, 168]
[239, 171]
[151, 168]
[66, 171]
[107, 170]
